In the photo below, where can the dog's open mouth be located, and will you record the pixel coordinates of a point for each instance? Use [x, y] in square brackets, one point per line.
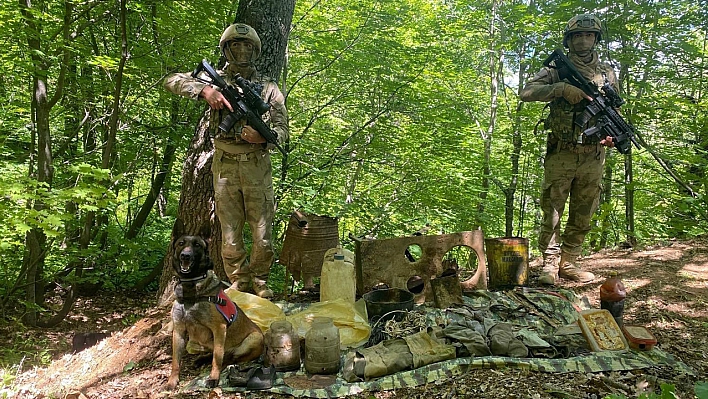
[186, 265]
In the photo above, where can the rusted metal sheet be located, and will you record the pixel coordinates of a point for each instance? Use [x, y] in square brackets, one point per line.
[307, 239]
[386, 262]
[446, 291]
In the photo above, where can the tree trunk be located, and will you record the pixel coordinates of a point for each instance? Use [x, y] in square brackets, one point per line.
[155, 188]
[41, 105]
[494, 92]
[628, 180]
[272, 20]
[629, 199]
[606, 222]
[515, 156]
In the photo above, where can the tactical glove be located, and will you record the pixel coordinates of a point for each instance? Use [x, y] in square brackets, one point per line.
[571, 93]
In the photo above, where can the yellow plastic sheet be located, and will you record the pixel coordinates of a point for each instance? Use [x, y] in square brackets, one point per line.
[260, 310]
[351, 319]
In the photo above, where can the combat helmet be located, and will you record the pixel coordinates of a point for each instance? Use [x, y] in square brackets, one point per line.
[241, 31]
[582, 23]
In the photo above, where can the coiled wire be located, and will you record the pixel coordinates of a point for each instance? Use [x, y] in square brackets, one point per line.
[401, 324]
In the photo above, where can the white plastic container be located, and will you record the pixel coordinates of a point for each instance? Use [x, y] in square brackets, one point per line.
[338, 279]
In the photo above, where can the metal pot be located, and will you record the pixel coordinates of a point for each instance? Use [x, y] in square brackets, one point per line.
[389, 303]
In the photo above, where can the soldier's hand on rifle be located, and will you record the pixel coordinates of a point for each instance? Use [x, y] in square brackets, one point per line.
[607, 142]
[251, 135]
[215, 99]
[571, 93]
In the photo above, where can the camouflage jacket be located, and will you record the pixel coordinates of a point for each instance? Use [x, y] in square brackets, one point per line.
[560, 120]
[185, 85]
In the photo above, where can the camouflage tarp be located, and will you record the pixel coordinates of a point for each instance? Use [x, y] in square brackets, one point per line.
[534, 309]
[442, 371]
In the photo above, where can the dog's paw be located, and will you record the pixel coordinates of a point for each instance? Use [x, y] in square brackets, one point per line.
[171, 384]
[211, 383]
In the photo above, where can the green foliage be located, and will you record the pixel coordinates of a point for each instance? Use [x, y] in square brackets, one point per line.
[26, 351]
[701, 390]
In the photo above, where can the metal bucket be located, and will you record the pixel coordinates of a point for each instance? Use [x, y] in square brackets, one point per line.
[507, 261]
[384, 304]
[307, 239]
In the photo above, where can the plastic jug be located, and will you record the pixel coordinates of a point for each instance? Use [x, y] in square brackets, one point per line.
[282, 346]
[338, 279]
[322, 354]
[612, 296]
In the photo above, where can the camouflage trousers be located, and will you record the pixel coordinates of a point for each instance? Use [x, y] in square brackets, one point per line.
[575, 172]
[243, 190]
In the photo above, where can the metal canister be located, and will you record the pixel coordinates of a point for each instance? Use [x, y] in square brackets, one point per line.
[322, 353]
[282, 346]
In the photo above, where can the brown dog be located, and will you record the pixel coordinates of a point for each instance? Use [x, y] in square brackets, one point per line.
[203, 312]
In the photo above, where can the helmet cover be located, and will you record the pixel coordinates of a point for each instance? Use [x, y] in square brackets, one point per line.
[582, 23]
[242, 32]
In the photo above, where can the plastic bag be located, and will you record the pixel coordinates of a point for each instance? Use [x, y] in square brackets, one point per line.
[351, 319]
[260, 310]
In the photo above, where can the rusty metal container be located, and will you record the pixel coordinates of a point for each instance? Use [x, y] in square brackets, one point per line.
[307, 239]
[282, 346]
[507, 261]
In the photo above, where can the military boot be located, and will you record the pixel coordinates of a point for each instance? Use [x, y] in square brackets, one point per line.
[549, 274]
[262, 290]
[242, 286]
[570, 271]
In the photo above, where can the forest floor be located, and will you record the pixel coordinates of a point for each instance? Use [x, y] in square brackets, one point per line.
[667, 288]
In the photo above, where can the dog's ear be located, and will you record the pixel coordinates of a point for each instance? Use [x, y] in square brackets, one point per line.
[178, 229]
[205, 232]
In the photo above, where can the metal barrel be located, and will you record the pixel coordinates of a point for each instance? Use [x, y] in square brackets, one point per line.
[507, 261]
[307, 239]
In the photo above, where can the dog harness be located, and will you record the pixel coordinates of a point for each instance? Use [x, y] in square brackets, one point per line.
[223, 303]
[226, 307]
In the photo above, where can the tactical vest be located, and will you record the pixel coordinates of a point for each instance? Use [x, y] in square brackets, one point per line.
[562, 115]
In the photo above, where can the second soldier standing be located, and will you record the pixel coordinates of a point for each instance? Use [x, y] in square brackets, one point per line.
[574, 162]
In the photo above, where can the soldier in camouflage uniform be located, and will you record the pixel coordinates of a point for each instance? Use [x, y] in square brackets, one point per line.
[574, 163]
[243, 185]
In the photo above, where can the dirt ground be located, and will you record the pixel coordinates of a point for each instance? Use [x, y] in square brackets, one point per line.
[667, 288]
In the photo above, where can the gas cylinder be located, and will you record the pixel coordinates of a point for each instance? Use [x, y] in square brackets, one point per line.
[612, 296]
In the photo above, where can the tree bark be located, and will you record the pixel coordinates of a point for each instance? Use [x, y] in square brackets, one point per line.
[510, 192]
[606, 198]
[272, 20]
[494, 58]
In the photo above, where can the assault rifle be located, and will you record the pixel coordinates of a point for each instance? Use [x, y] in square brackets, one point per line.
[604, 101]
[248, 105]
